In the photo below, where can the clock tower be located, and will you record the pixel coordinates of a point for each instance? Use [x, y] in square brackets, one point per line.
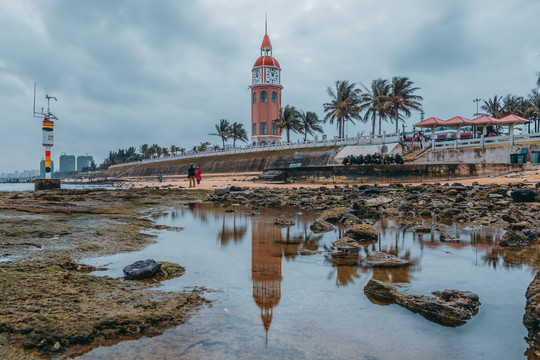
[265, 97]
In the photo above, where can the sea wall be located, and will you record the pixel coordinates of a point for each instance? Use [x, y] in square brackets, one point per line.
[232, 163]
[497, 154]
[394, 173]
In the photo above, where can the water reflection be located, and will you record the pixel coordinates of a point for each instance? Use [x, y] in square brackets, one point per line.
[266, 289]
[266, 269]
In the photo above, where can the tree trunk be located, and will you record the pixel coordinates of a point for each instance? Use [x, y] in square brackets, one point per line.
[373, 124]
[380, 123]
[288, 138]
[397, 124]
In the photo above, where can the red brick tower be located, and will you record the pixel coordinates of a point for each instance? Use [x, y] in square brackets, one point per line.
[265, 97]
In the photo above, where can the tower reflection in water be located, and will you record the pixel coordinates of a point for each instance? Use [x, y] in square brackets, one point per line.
[266, 269]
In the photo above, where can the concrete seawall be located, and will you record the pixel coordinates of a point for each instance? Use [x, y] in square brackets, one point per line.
[234, 163]
[394, 173]
[496, 154]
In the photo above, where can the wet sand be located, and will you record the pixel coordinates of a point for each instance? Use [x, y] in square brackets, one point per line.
[219, 181]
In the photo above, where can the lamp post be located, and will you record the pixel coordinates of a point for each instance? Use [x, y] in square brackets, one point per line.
[477, 101]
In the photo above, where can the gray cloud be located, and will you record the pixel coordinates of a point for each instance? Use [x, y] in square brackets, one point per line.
[133, 72]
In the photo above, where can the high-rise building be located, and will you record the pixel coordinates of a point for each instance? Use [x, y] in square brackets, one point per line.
[84, 161]
[42, 168]
[67, 163]
[265, 97]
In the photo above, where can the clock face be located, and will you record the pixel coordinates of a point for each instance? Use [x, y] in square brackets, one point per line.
[257, 76]
[272, 76]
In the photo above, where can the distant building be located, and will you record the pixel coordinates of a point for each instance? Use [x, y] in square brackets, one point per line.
[42, 168]
[84, 161]
[67, 163]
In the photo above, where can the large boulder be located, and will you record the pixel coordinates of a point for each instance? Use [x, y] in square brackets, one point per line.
[448, 307]
[523, 195]
[284, 221]
[347, 244]
[531, 319]
[333, 215]
[362, 232]
[513, 238]
[142, 269]
[381, 259]
[321, 226]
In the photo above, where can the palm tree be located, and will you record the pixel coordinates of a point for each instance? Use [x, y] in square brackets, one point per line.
[173, 149]
[182, 150]
[309, 123]
[493, 107]
[344, 105]
[402, 98]
[203, 146]
[223, 130]
[145, 151]
[165, 151]
[154, 150]
[238, 133]
[288, 120]
[374, 100]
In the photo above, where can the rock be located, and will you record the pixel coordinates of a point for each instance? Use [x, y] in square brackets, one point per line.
[235, 188]
[349, 220]
[230, 211]
[168, 270]
[283, 221]
[495, 196]
[448, 307]
[519, 226]
[421, 229]
[333, 215]
[347, 243]
[321, 226]
[380, 259]
[308, 252]
[513, 238]
[531, 319]
[381, 200]
[142, 269]
[523, 195]
[362, 232]
[221, 192]
[532, 235]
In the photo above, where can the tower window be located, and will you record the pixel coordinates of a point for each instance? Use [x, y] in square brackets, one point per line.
[254, 129]
[254, 97]
[274, 96]
[263, 128]
[274, 129]
[263, 96]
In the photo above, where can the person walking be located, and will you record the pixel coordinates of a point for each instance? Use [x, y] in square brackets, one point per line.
[191, 175]
[198, 174]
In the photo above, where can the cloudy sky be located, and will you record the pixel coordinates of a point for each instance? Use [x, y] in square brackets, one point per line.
[132, 72]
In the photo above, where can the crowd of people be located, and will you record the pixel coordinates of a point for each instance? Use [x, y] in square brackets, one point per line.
[373, 159]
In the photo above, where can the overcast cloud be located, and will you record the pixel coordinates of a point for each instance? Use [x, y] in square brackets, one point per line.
[132, 72]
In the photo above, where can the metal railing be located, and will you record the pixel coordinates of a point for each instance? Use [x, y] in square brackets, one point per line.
[324, 142]
[484, 141]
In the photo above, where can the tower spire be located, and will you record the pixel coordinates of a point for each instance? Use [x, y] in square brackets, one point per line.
[266, 23]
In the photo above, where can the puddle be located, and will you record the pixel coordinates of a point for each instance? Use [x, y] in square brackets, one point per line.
[271, 302]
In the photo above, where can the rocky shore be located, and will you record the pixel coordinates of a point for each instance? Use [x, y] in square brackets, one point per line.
[42, 229]
[51, 306]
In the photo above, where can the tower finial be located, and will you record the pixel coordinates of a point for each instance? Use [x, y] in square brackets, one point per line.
[266, 23]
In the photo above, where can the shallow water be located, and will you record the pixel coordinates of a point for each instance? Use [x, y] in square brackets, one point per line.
[30, 186]
[271, 302]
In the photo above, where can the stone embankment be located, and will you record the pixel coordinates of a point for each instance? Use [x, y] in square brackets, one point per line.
[230, 163]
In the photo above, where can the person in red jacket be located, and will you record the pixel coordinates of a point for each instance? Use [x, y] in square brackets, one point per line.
[198, 174]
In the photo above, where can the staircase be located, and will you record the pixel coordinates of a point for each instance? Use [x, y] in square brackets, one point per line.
[272, 176]
[415, 154]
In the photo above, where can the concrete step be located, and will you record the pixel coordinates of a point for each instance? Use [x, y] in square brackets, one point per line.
[272, 175]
